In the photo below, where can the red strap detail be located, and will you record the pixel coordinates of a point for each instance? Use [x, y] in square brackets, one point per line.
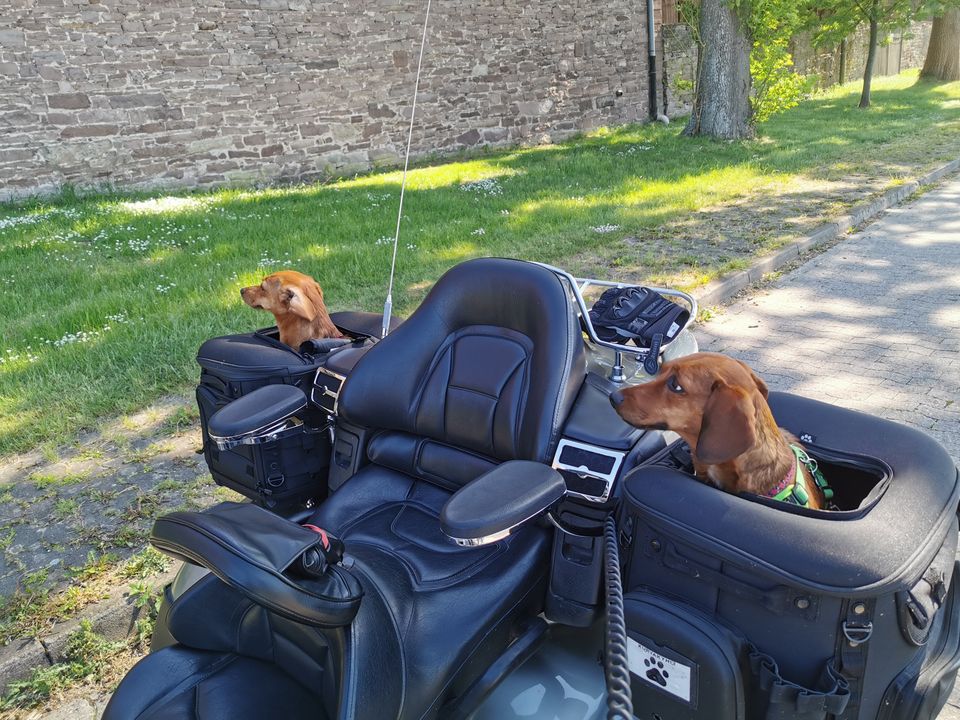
[323, 534]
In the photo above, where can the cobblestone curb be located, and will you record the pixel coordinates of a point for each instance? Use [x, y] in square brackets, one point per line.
[721, 290]
[115, 617]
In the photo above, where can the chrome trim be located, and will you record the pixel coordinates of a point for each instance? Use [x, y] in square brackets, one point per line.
[583, 471]
[265, 434]
[327, 392]
[579, 285]
[485, 540]
[499, 535]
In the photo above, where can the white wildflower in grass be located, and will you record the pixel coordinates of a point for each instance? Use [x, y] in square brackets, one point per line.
[504, 212]
[489, 187]
[81, 336]
[13, 357]
[385, 240]
[602, 229]
[266, 262]
[411, 246]
[479, 231]
[634, 149]
[17, 220]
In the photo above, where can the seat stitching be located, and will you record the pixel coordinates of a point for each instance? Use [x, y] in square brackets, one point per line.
[190, 683]
[567, 366]
[476, 392]
[396, 628]
[515, 438]
[440, 584]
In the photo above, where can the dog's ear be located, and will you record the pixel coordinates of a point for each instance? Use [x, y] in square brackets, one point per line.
[727, 429]
[761, 385]
[315, 295]
[300, 303]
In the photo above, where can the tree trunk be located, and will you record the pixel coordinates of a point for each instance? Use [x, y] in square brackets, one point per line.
[871, 58]
[721, 107]
[943, 55]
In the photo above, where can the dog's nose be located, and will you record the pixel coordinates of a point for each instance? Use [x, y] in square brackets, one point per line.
[616, 397]
[243, 290]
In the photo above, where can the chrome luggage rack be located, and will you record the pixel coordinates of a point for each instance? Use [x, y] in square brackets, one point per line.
[579, 285]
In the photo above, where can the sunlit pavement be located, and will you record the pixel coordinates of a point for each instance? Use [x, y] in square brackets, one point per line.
[872, 324]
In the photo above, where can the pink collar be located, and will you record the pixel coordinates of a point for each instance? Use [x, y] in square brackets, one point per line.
[788, 481]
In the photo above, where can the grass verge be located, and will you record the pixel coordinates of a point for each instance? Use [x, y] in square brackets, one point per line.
[107, 298]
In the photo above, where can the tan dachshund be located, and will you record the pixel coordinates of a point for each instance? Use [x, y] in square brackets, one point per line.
[296, 302]
[718, 406]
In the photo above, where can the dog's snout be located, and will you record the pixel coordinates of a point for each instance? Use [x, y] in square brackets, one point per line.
[243, 292]
[616, 398]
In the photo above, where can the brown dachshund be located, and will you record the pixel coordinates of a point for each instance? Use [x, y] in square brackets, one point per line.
[719, 407]
[296, 302]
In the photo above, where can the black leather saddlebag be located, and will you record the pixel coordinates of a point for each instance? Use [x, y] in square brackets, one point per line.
[742, 607]
[291, 469]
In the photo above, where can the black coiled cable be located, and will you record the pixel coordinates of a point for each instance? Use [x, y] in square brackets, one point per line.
[616, 669]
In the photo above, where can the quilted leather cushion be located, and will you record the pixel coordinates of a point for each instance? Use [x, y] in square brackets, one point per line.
[179, 683]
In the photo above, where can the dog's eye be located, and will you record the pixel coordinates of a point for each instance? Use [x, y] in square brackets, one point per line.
[674, 385]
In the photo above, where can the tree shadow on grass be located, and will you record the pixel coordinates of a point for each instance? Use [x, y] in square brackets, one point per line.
[671, 209]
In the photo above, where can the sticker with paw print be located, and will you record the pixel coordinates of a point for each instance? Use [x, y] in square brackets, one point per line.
[662, 672]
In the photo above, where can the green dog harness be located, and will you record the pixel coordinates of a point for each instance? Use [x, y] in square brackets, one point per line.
[793, 489]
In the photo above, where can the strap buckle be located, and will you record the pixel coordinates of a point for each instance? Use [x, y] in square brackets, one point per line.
[857, 633]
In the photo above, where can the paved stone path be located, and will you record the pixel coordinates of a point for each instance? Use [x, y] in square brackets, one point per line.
[871, 324]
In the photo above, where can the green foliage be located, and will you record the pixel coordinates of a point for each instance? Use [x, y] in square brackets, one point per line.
[689, 13]
[148, 598]
[770, 24]
[682, 85]
[776, 86]
[88, 655]
[834, 20]
[145, 563]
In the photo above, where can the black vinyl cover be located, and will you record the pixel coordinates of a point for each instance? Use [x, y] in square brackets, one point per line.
[262, 408]
[252, 550]
[256, 354]
[594, 421]
[503, 498]
[848, 554]
[261, 353]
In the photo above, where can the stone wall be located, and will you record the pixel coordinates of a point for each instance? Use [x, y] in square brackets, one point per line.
[679, 69]
[179, 93]
[900, 51]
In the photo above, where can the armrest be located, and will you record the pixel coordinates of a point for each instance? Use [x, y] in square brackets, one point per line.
[261, 554]
[260, 416]
[491, 507]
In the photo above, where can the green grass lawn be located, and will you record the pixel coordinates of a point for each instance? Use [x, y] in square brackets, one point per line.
[105, 299]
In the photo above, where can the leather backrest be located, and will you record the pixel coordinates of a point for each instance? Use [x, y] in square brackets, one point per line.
[490, 362]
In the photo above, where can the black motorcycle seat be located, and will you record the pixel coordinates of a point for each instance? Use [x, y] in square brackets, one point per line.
[485, 371]
[179, 682]
[449, 607]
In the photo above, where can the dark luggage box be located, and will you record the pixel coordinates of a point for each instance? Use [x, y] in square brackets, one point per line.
[292, 470]
[741, 607]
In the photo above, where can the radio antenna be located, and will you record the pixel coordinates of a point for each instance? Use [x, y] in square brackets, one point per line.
[388, 305]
